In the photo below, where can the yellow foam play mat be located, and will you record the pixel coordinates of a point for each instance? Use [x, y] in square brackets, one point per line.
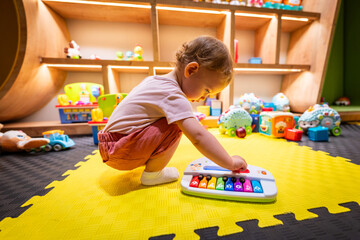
[98, 202]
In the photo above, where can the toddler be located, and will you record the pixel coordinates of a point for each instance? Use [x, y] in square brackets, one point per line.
[146, 127]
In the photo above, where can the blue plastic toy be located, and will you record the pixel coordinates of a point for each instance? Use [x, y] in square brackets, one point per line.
[58, 140]
[255, 60]
[318, 134]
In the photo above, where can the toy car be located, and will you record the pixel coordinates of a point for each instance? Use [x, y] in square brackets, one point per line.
[233, 119]
[58, 140]
[321, 115]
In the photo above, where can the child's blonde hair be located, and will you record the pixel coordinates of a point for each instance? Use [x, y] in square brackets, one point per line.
[208, 52]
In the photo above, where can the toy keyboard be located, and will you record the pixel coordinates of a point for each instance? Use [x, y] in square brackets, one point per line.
[206, 179]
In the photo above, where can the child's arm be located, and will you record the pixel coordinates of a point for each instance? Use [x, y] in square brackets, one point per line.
[208, 145]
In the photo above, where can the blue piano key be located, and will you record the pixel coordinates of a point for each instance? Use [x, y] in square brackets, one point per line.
[229, 185]
[256, 186]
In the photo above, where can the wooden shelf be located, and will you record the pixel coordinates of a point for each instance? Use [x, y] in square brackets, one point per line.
[348, 113]
[106, 11]
[35, 129]
[291, 25]
[247, 68]
[174, 12]
[84, 65]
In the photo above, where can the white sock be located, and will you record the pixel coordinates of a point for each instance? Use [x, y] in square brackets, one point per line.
[168, 174]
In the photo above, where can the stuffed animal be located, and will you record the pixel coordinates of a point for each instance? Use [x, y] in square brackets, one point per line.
[15, 141]
[73, 51]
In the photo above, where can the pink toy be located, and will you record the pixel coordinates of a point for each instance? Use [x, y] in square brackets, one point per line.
[255, 3]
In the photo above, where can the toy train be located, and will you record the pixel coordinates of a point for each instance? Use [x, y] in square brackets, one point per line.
[204, 178]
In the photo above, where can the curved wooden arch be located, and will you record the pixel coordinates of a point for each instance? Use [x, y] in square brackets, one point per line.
[28, 85]
[13, 45]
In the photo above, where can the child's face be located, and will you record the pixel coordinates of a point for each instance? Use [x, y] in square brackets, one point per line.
[200, 83]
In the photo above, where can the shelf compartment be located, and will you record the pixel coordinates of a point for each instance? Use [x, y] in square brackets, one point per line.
[282, 69]
[195, 17]
[291, 23]
[174, 12]
[112, 11]
[251, 20]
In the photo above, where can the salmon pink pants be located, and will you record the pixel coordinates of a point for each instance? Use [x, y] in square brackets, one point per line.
[126, 152]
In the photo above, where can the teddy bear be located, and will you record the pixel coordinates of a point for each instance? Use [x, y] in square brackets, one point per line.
[15, 141]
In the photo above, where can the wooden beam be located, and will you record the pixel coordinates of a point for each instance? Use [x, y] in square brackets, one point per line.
[155, 33]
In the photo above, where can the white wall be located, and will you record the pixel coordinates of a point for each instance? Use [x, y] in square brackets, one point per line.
[106, 38]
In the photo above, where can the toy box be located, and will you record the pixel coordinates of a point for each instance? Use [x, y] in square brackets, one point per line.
[75, 113]
[215, 108]
[293, 134]
[318, 134]
[255, 122]
[274, 123]
[255, 60]
[78, 101]
[204, 109]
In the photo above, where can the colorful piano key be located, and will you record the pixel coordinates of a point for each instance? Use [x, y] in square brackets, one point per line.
[247, 186]
[219, 184]
[209, 180]
[229, 185]
[212, 183]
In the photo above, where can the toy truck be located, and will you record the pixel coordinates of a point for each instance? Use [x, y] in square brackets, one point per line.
[233, 119]
[321, 115]
[58, 140]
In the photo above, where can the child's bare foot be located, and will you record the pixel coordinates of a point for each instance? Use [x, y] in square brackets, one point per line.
[168, 174]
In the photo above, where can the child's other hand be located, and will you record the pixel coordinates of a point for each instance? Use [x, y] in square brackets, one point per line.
[239, 164]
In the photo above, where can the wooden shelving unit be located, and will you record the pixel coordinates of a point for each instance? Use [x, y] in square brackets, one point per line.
[310, 37]
[35, 129]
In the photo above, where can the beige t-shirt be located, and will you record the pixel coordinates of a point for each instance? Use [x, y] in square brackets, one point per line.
[155, 97]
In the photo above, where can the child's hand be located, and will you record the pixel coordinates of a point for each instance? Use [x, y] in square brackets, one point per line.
[239, 164]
